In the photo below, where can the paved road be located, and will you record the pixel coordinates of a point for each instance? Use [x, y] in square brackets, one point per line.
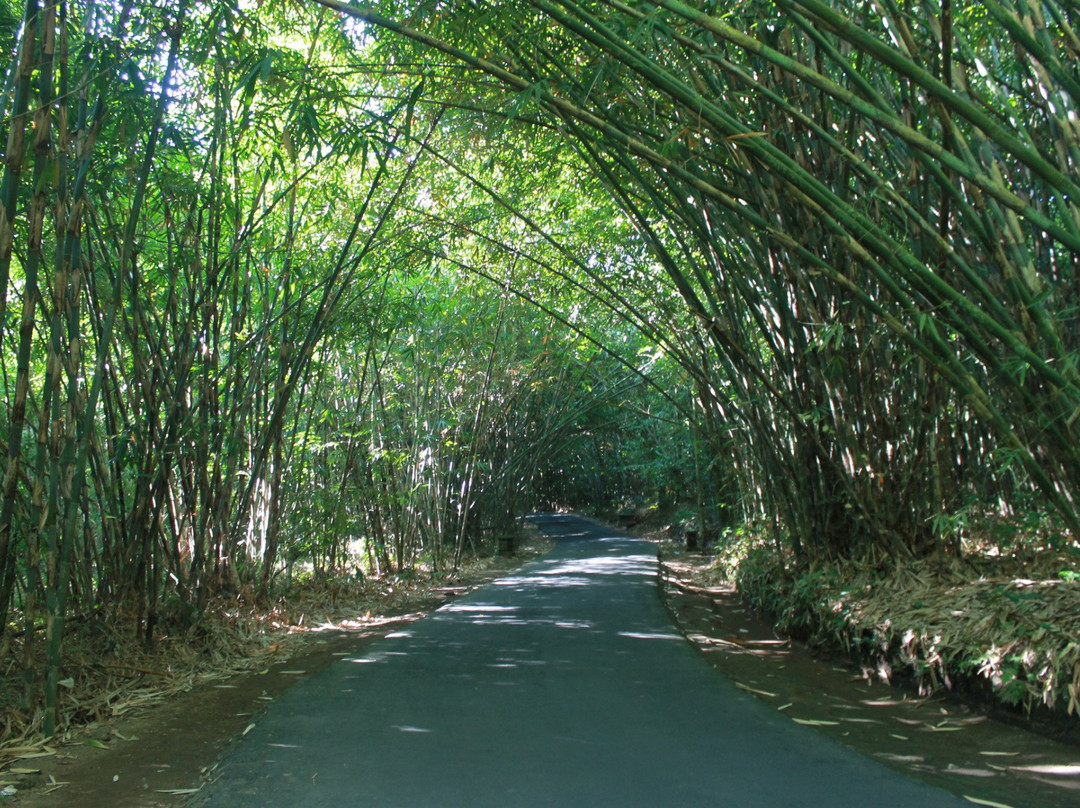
[561, 685]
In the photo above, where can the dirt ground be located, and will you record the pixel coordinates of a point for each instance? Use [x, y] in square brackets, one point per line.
[157, 756]
[155, 759]
[943, 741]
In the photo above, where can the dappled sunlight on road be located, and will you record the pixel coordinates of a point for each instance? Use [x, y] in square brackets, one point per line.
[597, 565]
[476, 607]
[581, 572]
[490, 614]
[641, 635]
[378, 656]
[521, 584]
[597, 569]
[564, 683]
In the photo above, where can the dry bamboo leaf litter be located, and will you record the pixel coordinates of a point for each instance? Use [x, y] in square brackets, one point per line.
[1014, 624]
[110, 672]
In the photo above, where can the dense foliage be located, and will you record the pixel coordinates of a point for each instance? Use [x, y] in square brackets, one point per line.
[869, 210]
[297, 286]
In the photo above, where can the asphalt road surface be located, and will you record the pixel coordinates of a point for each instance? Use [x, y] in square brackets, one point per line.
[563, 684]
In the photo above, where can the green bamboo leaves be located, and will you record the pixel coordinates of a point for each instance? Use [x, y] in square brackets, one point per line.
[794, 162]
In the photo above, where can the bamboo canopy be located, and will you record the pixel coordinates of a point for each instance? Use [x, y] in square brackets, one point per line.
[870, 210]
[311, 289]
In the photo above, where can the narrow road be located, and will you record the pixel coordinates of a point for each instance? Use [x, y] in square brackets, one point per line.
[564, 684]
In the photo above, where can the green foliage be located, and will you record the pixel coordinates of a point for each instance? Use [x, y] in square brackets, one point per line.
[801, 601]
[852, 234]
[302, 284]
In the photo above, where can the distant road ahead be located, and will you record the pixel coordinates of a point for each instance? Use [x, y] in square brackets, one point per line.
[563, 684]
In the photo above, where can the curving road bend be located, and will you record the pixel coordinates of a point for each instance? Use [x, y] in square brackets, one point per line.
[564, 684]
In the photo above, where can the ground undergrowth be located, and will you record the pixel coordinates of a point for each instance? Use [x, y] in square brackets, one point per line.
[110, 670]
[999, 628]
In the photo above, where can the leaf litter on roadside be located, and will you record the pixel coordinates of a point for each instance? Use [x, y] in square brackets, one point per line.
[113, 673]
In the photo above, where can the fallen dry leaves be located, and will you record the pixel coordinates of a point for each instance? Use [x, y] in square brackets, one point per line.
[110, 672]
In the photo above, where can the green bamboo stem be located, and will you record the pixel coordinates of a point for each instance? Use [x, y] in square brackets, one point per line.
[959, 105]
[14, 155]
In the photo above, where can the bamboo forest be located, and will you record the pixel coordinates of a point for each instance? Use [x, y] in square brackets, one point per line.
[304, 295]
